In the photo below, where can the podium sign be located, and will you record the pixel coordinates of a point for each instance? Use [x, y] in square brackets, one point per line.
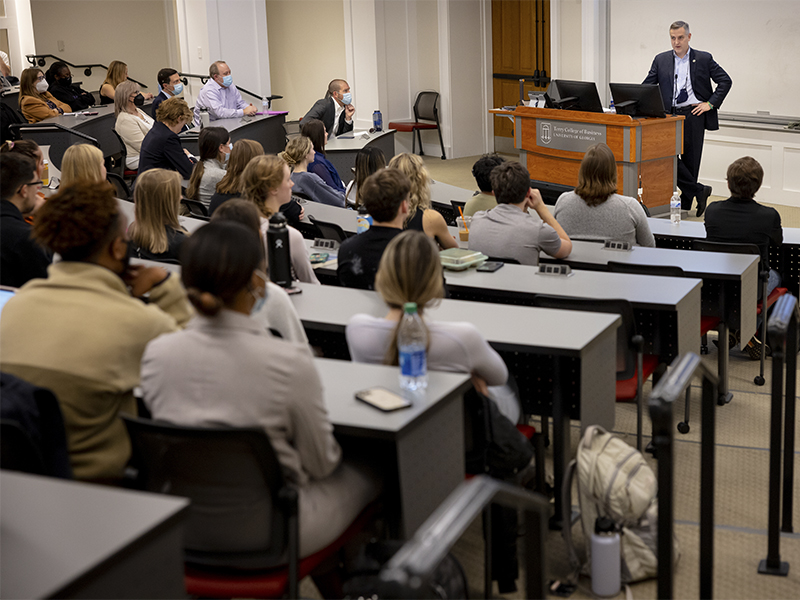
[569, 136]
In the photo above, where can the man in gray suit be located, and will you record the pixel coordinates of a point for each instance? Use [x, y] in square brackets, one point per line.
[335, 108]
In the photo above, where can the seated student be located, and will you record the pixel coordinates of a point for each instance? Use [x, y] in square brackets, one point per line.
[314, 130]
[230, 186]
[220, 96]
[117, 73]
[35, 102]
[91, 314]
[30, 149]
[742, 220]
[298, 154]
[267, 183]
[595, 211]
[156, 233]
[335, 110]
[421, 216]
[215, 150]
[82, 161]
[161, 148]
[171, 86]
[480, 171]
[369, 160]
[508, 230]
[410, 271]
[60, 79]
[386, 198]
[252, 379]
[277, 314]
[21, 259]
[132, 124]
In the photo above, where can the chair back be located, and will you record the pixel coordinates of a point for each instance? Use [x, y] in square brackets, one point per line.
[328, 231]
[239, 515]
[291, 129]
[510, 261]
[658, 270]
[121, 188]
[17, 450]
[119, 154]
[626, 348]
[425, 107]
[197, 209]
[730, 247]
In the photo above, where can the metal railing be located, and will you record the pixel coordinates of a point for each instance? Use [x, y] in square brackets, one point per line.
[665, 394]
[39, 60]
[413, 565]
[204, 79]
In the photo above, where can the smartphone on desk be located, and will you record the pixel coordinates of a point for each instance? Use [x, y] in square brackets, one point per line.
[490, 266]
[383, 399]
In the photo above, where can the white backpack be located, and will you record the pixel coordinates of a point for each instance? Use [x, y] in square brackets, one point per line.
[615, 481]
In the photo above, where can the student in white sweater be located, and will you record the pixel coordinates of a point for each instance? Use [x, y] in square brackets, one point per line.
[266, 182]
[132, 122]
[410, 271]
[595, 211]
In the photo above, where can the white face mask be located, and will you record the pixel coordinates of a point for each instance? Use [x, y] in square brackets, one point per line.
[259, 300]
[41, 86]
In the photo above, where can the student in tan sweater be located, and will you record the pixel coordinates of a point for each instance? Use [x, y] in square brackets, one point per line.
[82, 331]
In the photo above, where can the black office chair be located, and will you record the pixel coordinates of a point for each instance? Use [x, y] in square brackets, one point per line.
[633, 366]
[17, 450]
[425, 109]
[123, 192]
[328, 231]
[197, 210]
[764, 302]
[243, 521]
[122, 169]
[291, 129]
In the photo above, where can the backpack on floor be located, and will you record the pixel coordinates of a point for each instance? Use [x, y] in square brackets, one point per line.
[615, 481]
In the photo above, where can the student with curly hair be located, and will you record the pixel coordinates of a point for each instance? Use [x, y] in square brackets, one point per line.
[82, 331]
[161, 147]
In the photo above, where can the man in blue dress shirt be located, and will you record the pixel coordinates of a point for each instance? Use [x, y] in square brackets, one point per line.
[220, 96]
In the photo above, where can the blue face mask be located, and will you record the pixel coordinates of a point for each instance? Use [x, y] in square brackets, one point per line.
[227, 81]
[178, 89]
[260, 300]
[347, 98]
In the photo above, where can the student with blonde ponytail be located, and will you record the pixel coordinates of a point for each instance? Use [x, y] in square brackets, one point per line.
[298, 154]
[410, 271]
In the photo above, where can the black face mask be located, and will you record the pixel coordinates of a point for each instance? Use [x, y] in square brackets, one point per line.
[65, 81]
[138, 100]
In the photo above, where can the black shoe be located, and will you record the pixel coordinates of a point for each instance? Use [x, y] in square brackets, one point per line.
[702, 200]
[754, 348]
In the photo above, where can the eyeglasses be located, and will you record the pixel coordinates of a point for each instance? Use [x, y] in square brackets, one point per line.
[39, 184]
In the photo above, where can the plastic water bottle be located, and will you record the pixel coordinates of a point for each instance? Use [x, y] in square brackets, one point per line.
[606, 568]
[412, 341]
[364, 220]
[611, 106]
[280, 257]
[265, 105]
[377, 121]
[205, 118]
[46, 173]
[675, 208]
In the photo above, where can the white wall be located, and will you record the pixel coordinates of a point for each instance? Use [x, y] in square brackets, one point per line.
[193, 46]
[133, 31]
[19, 26]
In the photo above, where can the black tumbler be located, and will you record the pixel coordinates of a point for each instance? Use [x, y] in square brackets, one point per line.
[280, 258]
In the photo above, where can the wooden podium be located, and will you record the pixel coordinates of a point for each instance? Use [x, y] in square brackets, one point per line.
[552, 144]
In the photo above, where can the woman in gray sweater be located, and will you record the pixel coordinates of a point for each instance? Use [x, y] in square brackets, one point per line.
[595, 211]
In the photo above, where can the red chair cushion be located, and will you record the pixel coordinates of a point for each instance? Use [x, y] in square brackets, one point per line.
[627, 389]
[129, 174]
[708, 323]
[411, 125]
[772, 298]
[266, 584]
[527, 431]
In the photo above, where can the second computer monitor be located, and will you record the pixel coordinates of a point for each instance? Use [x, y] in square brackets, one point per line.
[578, 95]
[638, 99]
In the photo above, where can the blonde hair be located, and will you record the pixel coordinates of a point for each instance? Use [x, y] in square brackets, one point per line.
[296, 150]
[27, 83]
[156, 198]
[115, 74]
[409, 271]
[121, 95]
[243, 152]
[81, 161]
[174, 110]
[262, 175]
[411, 165]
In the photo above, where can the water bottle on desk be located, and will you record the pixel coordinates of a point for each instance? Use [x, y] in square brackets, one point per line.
[280, 258]
[364, 220]
[205, 118]
[265, 105]
[412, 341]
[675, 208]
[377, 121]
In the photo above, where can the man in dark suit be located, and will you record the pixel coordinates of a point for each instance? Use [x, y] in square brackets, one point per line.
[335, 108]
[684, 76]
[171, 85]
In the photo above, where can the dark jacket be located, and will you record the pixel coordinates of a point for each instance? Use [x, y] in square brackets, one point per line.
[360, 255]
[157, 102]
[743, 221]
[161, 149]
[702, 69]
[325, 111]
[174, 240]
[73, 95]
[323, 167]
[21, 259]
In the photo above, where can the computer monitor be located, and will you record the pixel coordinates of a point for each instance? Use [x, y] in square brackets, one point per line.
[578, 95]
[638, 100]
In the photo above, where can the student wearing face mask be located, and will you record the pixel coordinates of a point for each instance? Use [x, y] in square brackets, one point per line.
[335, 108]
[35, 102]
[133, 124]
[59, 77]
[220, 96]
[215, 150]
[171, 85]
